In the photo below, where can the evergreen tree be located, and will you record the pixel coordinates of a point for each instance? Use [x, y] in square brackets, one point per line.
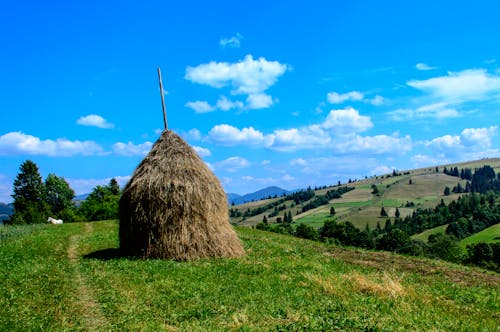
[29, 196]
[447, 191]
[383, 213]
[388, 226]
[114, 187]
[264, 220]
[332, 211]
[397, 214]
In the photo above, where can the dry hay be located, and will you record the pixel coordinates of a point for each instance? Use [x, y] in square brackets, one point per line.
[174, 207]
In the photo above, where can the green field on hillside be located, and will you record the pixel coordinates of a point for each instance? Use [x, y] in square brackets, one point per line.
[71, 278]
[410, 190]
[424, 236]
[488, 235]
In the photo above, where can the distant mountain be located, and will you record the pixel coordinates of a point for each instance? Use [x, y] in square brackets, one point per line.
[81, 197]
[6, 210]
[256, 196]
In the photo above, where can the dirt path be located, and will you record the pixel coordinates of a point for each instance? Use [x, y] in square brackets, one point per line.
[92, 315]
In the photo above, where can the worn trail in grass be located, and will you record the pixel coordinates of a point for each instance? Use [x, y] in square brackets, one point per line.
[73, 278]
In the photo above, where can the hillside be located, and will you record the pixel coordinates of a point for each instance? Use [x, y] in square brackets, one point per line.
[407, 191]
[70, 277]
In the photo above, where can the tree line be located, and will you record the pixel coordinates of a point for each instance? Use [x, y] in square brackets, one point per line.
[35, 199]
[465, 216]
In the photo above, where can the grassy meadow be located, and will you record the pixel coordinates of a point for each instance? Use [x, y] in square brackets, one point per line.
[488, 235]
[71, 277]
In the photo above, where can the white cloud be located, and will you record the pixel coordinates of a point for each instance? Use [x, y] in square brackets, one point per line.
[377, 100]
[298, 161]
[478, 136]
[202, 152]
[287, 178]
[6, 189]
[94, 120]
[336, 98]
[346, 121]
[246, 77]
[194, 134]
[421, 160]
[471, 143]
[233, 42]
[232, 164]
[299, 138]
[131, 149]
[423, 66]
[85, 186]
[259, 100]
[439, 111]
[200, 106]
[225, 104]
[227, 135]
[18, 143]
[457, 87]
[379, 144]
[381, 169]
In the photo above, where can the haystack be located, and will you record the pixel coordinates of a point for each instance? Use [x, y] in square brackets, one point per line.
[174, 207]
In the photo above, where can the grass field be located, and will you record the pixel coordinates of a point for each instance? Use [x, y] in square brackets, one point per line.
[488, 235]
[424, 236]
[71, 277]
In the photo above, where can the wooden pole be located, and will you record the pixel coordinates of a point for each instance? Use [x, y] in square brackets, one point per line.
[162, 100]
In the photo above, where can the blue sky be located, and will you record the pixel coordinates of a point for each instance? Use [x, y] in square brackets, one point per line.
[286, 93]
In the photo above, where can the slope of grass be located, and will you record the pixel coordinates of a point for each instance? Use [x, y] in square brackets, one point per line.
[424, 236]
[71, 277]
[488, 235]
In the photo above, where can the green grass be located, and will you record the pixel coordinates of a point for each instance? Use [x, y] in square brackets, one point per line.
[424, 236]
[488, 235]
[70, 277]
[315, 220]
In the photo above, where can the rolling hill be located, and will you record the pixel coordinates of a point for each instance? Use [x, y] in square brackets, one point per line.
[256, 196]
[406, 191]
[71, 277]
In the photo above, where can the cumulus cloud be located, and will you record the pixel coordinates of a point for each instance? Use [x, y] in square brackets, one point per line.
[233, 42]
[423, 66]
[232, 164]
[131, 149]
[466, 85]
[347, 120]
[471, 142]
[225, 104]
[200, 106]
[94, 120]
[18, 143]
[227, 135]
[202, 152]
[259, 100]
[339, 98]
[247, 77]
[299, 138]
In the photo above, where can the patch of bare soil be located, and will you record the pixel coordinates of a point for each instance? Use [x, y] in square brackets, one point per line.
[91, 312]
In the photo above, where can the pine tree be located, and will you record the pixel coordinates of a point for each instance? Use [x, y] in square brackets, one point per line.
[114, 187]
[29, 196]
[332, 211]
[383, 213]
[397, 214]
